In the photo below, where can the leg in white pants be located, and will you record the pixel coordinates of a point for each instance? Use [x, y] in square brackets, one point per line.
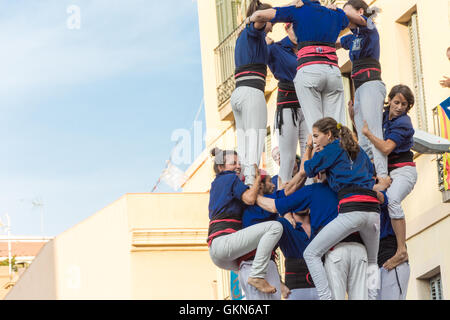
[368, 225]
[272, 277]
[369, 103]
[333, 98]
[346, 267]
[394, 283]
[403, 182]
[263, 237]
[250, 113]
[292, 133]
[303, 294]
[321, 93]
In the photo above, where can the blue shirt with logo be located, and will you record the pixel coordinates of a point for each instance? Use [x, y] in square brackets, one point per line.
[364, 42]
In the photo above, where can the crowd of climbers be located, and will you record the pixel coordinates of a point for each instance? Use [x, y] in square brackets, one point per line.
[336, 213]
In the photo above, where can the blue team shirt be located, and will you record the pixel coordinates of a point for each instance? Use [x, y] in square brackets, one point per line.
[251, 47]
[226, 194]
[385, 219]
[255, 214]
[313, 22]
[340, 169]
[400, 130]
[321, 201]
[364, 42]
[275, 182]
[282, 60]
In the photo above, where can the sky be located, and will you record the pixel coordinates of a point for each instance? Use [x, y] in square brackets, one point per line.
[91, 93]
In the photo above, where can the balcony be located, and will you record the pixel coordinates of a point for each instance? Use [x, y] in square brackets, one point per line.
[224, 56]
[225, 66]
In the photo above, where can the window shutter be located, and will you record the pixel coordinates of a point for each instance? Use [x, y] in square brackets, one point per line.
[436, 288]
[420, 105]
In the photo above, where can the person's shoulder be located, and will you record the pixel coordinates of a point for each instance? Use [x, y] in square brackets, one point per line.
[403, 121]
[333, 146]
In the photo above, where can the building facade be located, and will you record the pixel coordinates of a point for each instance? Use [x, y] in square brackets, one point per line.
[414, 38]
[153, 246]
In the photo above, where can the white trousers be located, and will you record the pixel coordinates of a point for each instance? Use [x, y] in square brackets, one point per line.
[303, 294]
[225, 250]
[346, 268]
[394, 283]
[250, 113]
[292, 134]
[320, 90]
[272, 277]
[369, 103]
[368, 225]
[403, 182]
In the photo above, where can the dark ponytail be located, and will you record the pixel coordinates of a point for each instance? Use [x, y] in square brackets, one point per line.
[220, 157]
[360, 4]
[256, 5]
[341, 132]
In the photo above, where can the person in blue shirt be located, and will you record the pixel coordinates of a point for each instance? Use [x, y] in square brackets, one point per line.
[396, 145]
[349, 172]
[247, 100]
[254, 215]
[363, 44]
[300, 229]
[318, 82]
[394, 282]
[290, 123]
[227, 241]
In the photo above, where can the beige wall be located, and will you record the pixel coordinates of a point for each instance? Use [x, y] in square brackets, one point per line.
[39, 280]
[142, 246]
[425, 231]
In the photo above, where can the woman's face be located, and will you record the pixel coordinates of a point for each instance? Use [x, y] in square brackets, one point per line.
[397, 106]
[321, 139]
[231, 164]
[276, 155]
[267, 186]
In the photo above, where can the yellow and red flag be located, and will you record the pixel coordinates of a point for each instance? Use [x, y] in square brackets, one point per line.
[443, 110]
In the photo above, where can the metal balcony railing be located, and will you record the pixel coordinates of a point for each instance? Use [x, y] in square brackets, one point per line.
[224, 56]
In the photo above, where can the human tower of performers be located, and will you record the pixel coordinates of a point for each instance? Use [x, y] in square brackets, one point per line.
[336, 213]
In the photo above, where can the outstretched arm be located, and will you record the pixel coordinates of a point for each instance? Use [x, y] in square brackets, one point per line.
[249, 196]
[267, 204]
[385, 146]
[300, 178]
[352, 17]
[356, 19]
[262, 16]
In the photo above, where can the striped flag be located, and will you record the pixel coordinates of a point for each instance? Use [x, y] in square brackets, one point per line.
[443, 110]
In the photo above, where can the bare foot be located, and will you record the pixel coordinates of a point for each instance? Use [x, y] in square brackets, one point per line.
[262, 285]
[285, 291]
[397, 259]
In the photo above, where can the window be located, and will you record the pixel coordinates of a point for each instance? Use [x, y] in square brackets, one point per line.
[229, 13]
[414, 40]
[436, 288]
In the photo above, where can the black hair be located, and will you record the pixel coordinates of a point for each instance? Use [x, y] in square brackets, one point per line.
[256, 5]
[405, 91]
